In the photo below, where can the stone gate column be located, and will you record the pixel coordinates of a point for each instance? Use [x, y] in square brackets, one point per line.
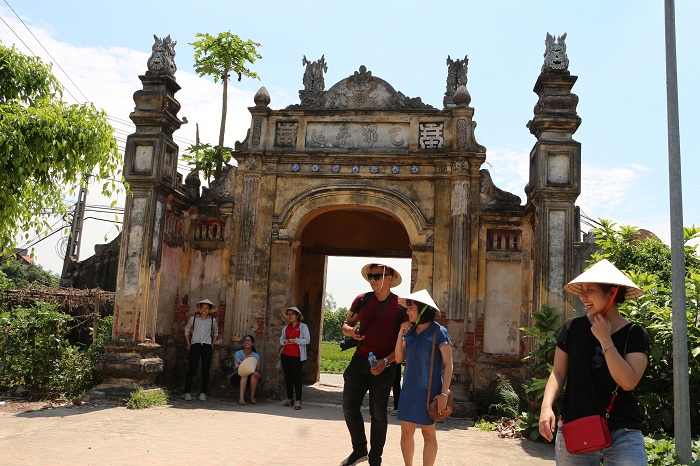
[247, 213]
[555, 178]
[150, 160]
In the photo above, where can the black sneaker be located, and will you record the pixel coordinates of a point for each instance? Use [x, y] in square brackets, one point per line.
[353, 459]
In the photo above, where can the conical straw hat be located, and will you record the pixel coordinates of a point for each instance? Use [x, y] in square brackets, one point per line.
[295, 309]
[248, 366]
[396, 281]
[421, 296]
[604, 272]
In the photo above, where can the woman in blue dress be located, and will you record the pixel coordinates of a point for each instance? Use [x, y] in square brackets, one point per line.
[414, 344]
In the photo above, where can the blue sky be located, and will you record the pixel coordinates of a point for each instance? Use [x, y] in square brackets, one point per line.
[615, 48]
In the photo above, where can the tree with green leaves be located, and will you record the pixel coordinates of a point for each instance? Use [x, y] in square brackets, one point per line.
[647, 260]
[219, 57]
[45, 145]
[15, 274]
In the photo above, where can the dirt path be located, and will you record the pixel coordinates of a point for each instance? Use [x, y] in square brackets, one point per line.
[265, 434]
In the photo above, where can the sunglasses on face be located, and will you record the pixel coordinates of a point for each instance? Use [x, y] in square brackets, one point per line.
[598, 359]
[377, 276]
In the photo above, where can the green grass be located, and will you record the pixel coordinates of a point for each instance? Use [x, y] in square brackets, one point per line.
[332, 359]
[146, 398]
[486, 426]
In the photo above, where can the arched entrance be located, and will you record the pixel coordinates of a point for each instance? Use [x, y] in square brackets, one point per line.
[345, 231]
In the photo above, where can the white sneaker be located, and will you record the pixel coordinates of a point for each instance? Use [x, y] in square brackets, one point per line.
[187, 397]
[202, 397]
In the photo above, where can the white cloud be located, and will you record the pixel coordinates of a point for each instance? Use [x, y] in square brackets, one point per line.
[605, 189]
[509, 169]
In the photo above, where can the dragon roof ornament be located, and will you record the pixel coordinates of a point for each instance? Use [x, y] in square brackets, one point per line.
[555, 59]
[162, 60]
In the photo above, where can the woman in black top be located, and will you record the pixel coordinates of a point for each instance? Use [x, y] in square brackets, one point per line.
[595, 353]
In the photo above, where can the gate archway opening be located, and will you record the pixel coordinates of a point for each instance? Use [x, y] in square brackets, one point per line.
[343, 232]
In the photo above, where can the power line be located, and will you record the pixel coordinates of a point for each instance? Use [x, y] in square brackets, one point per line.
[13, 31]
[49, 54]
[42, 239]
[102, 220]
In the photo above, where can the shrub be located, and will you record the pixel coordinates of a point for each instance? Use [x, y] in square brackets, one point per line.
[507, 400]
[662, 452]
[36, 354]
[544, 331]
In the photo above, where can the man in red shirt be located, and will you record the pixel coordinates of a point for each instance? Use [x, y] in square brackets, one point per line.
[378, 318]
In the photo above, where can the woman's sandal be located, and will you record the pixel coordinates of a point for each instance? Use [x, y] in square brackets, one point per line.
[297, 405]
[241, 402]
[288, 403]
[253, 401]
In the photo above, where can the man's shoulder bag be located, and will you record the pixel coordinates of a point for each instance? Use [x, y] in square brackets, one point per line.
[348, 342]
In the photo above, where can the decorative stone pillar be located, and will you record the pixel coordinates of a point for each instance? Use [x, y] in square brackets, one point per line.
[555, 178]
[150, 161]
[247, 211]
[464, 201]
[459, 248]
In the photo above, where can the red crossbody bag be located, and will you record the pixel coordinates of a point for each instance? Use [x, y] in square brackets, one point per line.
[590, 433]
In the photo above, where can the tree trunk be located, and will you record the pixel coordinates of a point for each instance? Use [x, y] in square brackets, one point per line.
[222, 129]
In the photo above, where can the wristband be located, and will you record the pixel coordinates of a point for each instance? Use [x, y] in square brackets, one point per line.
[445, 394]
[606, 348]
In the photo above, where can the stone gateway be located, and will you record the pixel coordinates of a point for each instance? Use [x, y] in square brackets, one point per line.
[359, 169]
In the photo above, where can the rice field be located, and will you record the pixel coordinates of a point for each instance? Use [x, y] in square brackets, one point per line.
[332, 359]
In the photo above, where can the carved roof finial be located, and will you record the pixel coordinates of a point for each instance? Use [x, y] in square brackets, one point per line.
[313, 75]
[462, 97]
[555, 59]
[314, 84]
[262, 97]
[162, 61]
[456, 77]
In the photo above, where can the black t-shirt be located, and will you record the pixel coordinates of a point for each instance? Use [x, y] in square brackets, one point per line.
[588, 390]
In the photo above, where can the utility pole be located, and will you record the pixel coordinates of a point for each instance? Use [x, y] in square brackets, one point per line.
[681, 392]
[76, 231]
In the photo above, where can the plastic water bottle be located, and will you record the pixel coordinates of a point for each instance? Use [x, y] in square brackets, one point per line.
[372, 359]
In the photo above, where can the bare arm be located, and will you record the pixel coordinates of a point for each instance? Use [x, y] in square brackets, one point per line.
[627, 371]
[555, 384]
[348, 327]
[400, 347]
[446, 352]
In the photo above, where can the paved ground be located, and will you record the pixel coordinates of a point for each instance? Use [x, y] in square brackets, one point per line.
[221, 432]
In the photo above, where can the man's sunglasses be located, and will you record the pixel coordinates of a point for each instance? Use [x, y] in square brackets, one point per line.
[377, 276]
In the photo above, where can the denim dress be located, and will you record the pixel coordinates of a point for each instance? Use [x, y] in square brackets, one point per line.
[413, 407]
